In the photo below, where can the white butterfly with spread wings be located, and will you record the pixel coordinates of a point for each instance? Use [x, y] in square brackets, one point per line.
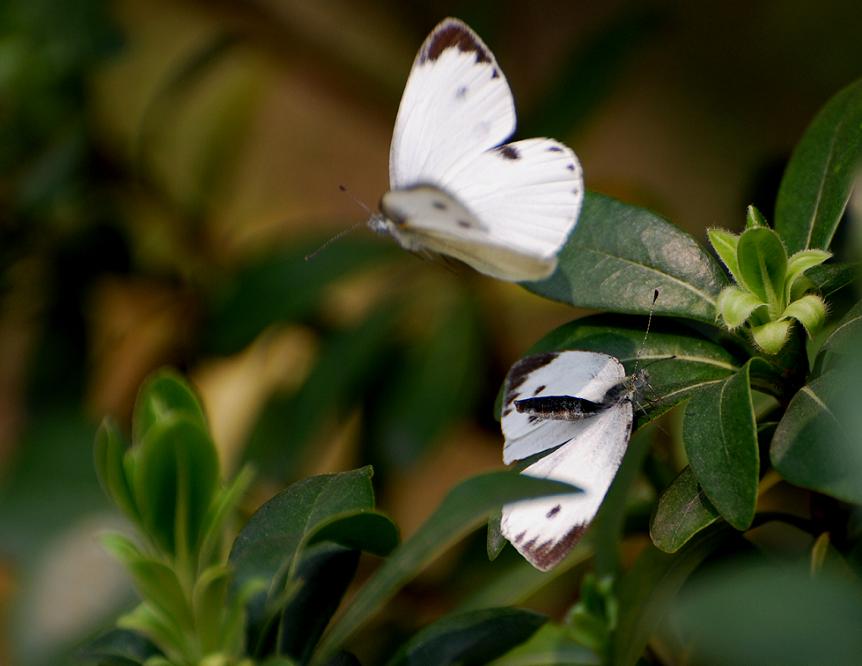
[577, 406]
[456, 188]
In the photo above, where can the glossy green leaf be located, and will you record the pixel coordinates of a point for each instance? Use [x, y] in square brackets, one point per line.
[696, 364]
[844, 339]
[810, 311]
[817, 443]
[117, 647]
[172, 640]
[736, 305]
[109, 452]
[798, 264]
[165, 393]
[273, 536]
[682, 511]
[619, 254]
[551, 644]
[720, 437]
[766, 613]
[724, 243]
[324, 573]
[495, 541]
[763, 265]
[220, 511]
[463, 509]
[267, 290]
[820, 176]
[647, 590]
[363, 530]
[830, 278]
[175, 477]
[475, 637]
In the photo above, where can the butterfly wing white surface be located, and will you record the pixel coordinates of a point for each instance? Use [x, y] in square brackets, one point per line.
[456, 105]
[545, 530]
[518, 203]
[589, 453]
[580, 374]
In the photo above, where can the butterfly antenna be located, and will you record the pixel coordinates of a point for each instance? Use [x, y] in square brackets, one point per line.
[646, 332]
[343, 233]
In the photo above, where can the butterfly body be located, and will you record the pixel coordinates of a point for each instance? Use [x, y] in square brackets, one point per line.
[578, 407]
[455, 187]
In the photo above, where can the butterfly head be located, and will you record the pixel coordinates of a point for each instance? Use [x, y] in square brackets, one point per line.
[379, 223]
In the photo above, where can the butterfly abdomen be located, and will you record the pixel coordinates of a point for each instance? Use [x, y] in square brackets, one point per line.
[559, 407]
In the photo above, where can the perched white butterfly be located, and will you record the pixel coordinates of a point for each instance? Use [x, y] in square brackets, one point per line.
[506, 210]
[578, 406]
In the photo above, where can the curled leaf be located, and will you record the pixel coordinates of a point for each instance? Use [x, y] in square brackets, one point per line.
[736, 305]
[810, 311]
[772, 336]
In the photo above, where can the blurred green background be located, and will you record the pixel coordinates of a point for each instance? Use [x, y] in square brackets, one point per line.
[166, 165]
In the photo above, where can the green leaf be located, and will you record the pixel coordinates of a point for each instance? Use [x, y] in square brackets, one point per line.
[474, 637]
[696, 364]
[819, 178]
[754, 218]
[763, 266]
[272, 538]
[109, 451]
[165, 393]
[736, 305]
[463, 509]
[363, 530]
[157, 582]
[798, 264]
[810, 311]
[773, 336]
[720, 437]
[724, 243]
[117, 647]
[171, 640]
[842, 341]
[682, 511]
[619, 254]
[324, 573]
[213, 528]
[175, 477]
[495, 541]
[817, 443]
[551, 644]
[764, 613]
[210, 600]
[648, 588]
[830, 278]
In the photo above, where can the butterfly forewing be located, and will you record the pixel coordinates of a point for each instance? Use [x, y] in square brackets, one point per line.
[579, 374]
[456, 104]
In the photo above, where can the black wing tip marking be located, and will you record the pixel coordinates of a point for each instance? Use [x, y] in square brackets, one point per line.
[523, 369]
[548, 554]
[454, 33]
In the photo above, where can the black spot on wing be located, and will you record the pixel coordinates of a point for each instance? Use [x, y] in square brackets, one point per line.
[461, 92]
[553, 512]
[570, 167]
[439, 205]
[523, 369]
[509, 152]
[555, 149]
[452, 34]
[495, 74]
[464, 224]
[539, 389]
